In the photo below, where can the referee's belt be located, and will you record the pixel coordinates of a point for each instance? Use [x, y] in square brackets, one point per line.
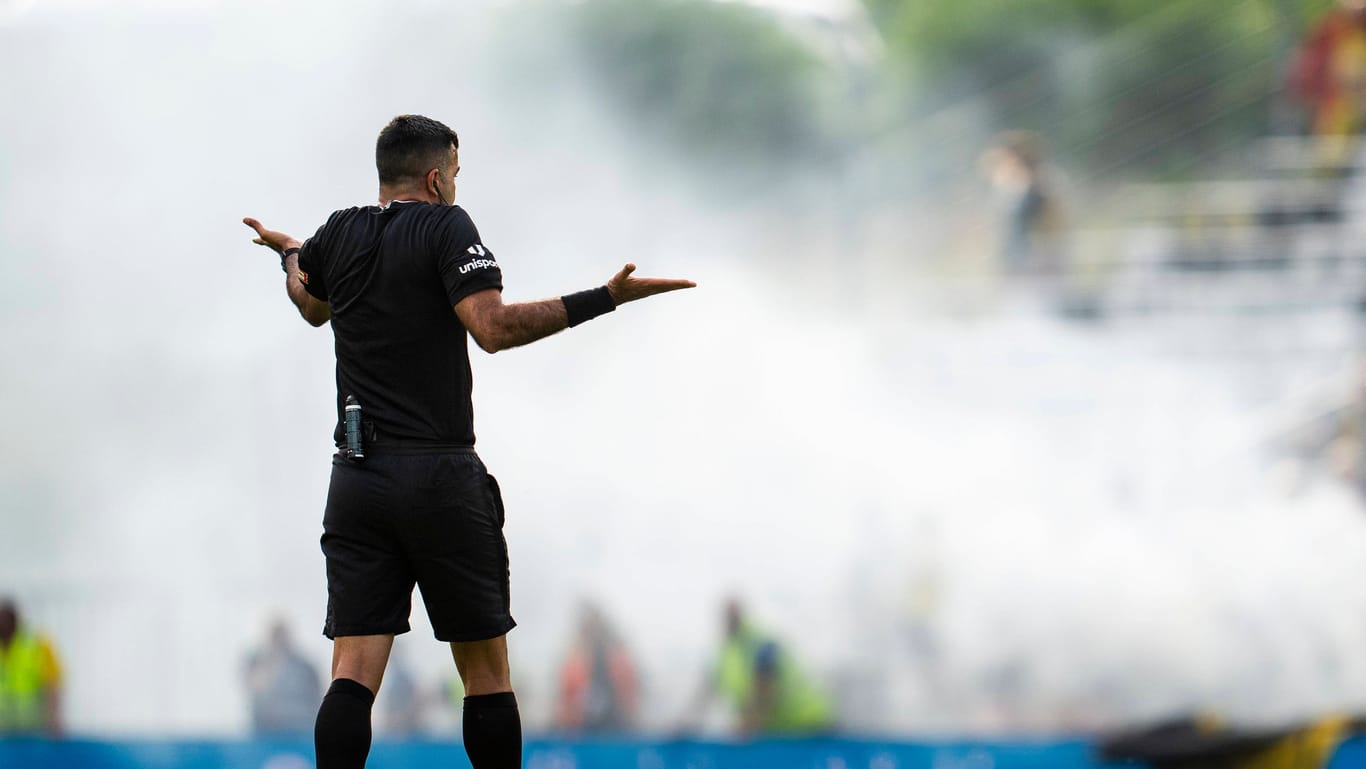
[410, 447]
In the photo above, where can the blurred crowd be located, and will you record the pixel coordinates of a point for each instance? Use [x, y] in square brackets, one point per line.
[765, 688]
[597, 689]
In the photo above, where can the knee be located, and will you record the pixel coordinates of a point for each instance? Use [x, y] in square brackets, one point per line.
[485, 675]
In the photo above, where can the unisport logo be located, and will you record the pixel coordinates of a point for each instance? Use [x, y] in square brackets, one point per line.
[477, 264]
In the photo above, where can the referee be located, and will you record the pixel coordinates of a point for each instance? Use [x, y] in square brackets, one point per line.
[413, 503]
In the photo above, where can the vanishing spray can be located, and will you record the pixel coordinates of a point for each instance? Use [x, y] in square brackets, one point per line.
[355, 449]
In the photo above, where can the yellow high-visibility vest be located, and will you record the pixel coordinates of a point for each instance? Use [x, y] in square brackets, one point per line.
[28, 667]
[799, 706]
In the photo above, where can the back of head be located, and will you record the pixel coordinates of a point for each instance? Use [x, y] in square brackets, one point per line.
[410, 146]
[278, 634]
[1024, 146]
[733, 617]
[9, 619]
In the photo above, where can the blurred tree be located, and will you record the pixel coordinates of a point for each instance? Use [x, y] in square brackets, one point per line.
[722, 80]
[1116, 87]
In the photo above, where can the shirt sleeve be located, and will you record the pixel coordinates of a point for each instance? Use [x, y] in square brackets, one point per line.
[312, 259]
[466, 265]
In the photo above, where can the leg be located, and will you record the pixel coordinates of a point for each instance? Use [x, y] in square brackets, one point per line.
[362, 658]
[454, 539]
[342, 734]
[483, 666]
[493, 727]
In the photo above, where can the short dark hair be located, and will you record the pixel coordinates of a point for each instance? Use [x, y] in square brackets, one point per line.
[410, 146]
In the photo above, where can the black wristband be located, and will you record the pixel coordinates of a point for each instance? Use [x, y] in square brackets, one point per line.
[587, 305]
[285, 254]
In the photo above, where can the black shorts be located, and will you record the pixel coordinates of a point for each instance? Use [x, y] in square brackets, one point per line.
[434, 520]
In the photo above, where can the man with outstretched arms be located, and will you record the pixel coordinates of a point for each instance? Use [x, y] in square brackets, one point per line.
[409, 501]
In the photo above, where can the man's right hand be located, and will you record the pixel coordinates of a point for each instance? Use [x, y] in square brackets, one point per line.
[625, 288]
[313, 310]
[275, 241]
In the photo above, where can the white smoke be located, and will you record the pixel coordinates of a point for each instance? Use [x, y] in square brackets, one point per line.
[1076, 518]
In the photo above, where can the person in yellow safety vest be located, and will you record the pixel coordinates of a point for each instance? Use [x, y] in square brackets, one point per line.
[30, 679]
[768, 692]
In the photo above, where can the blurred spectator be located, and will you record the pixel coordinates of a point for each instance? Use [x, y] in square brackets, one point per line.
[1029, 241]
[597, 687]
[1331, 439]
[1006, 686]
[30, 678]
[285, 689]
[764, 686]
[401, 702]
[1328, 76]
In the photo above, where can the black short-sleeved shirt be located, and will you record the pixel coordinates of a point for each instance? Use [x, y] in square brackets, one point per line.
[392, 277]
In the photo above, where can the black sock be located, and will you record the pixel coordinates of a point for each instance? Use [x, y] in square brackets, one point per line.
[342, 734]
[493, 731]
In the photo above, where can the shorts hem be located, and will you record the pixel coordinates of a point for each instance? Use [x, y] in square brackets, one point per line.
[334, 633]
[483, 634]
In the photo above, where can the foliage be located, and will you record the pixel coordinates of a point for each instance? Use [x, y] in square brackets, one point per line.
[1116, 86]
[721, 80]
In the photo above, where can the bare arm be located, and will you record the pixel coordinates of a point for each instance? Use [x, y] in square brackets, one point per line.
[313, 310]
[497, 326]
